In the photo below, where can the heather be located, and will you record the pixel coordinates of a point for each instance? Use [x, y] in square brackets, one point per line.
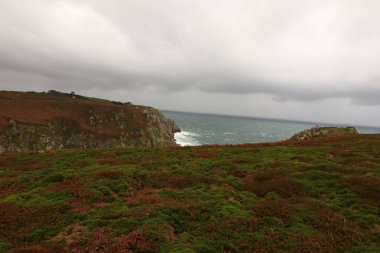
[318, 195]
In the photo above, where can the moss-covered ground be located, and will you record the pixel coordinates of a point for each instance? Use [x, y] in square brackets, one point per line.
[314, 196]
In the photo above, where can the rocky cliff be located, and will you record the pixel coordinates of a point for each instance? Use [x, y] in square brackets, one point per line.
[50, 121]
[320, 132]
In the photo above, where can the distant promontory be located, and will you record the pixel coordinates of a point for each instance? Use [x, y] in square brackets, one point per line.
[31, 121]
[322, 132]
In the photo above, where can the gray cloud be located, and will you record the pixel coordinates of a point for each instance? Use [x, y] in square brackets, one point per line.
[293, 51]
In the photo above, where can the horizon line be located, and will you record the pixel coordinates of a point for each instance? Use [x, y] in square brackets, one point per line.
[272, 119]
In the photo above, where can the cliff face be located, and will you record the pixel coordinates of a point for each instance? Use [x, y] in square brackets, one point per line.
[53, 120]
[320, 132]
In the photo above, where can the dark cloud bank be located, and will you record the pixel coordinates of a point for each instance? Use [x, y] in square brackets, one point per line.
[301, 51]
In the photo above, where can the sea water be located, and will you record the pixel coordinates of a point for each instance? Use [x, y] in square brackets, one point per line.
[202, 129]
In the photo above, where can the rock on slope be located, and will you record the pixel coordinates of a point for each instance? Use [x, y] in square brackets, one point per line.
[49, 121]
[318, 132]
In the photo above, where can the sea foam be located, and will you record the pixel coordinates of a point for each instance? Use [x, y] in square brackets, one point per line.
[184, 138]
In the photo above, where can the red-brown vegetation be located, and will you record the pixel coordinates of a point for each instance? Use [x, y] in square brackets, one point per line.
[73, 235]
[38, 249]
[168, 180]
[81, 164]
[241, 160]
[9, 187]
[138, 160]
[74, 186]
[110, 174]
[278, 182]
[276, 165]
[79, 207]
[275, 208]
[9, 161]
[109, 159]
[338, 232]
[17, 220]
[136, 241]
[144, 196]
[39, 164]
[274, 241]
[226, 228]
[239, 173]
[208, 153]
[303, 158]
[342, 151]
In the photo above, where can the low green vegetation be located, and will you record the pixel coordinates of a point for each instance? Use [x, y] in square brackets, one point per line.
[308, 196]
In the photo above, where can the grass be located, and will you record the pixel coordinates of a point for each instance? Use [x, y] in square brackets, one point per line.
[309, 196]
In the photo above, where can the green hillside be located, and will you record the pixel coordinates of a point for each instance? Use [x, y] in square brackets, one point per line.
[321, 195]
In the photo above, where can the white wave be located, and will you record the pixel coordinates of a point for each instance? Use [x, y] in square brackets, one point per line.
[229, 133]
[184, 138]
[185, 133]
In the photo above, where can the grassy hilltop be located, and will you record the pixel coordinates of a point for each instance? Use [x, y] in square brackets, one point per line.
[319, 195]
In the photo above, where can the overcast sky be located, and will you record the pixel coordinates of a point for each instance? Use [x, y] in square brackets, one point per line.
[298, 59]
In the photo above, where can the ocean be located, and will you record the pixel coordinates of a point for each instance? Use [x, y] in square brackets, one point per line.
[203, 129]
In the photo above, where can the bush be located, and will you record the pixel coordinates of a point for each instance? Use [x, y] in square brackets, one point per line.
[277, 182]
[277, 208]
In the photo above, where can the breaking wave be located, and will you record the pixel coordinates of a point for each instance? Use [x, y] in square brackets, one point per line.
[186, 138]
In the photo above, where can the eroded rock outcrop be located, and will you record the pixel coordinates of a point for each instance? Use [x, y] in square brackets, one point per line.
[54, 120]
[320, 132]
